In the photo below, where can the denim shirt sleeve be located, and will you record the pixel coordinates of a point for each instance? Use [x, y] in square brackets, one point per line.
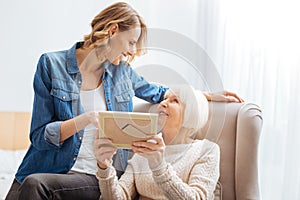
[44, 131]
[145, 90]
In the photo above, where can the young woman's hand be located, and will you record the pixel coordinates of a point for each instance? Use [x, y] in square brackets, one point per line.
[152, 151]
[104, 151]
[85, 119]
[93, 117]
[225, 96]
[71, 126]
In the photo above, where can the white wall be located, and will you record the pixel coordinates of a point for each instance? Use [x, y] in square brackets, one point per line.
[29, 28]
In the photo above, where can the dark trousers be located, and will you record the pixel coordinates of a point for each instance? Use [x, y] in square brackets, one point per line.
[55, 186]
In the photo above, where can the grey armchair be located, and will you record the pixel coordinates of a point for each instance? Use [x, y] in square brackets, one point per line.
[236, 128]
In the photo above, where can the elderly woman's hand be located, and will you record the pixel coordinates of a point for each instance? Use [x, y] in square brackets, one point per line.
[104, 151]
[153, 150]
[225, 96]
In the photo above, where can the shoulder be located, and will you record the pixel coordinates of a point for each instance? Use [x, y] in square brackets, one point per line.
[57, 56]
[52, 57]
[207, 147]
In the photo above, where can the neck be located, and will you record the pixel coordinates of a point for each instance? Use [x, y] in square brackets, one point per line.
[172, 137]
[88, 60]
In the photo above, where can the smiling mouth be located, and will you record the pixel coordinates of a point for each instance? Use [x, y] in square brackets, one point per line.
[162, 113]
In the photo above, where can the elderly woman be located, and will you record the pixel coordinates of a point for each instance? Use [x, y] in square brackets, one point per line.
[173, 165]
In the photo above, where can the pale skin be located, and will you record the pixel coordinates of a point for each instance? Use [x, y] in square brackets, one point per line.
[122, 44]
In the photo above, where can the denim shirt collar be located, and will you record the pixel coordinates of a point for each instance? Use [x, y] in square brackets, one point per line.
[72, 65]
[108, 68]
[111, 68]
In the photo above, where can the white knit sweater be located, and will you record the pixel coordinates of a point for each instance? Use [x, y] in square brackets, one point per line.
[190, 171]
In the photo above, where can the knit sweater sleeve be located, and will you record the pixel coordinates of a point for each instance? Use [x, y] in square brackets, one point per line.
[201, 182]
[112, 188]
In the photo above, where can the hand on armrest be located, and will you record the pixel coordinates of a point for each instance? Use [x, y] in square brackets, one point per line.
[224, 96]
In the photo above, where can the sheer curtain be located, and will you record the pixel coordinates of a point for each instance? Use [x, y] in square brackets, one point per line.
[255, 45]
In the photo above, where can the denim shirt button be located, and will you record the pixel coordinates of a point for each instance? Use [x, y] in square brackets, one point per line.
[74, 158]
[80, 138]
[108, 100]
[79, 82]
[64, 97]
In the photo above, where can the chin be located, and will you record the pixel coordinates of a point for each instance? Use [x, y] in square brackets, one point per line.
[116, 62]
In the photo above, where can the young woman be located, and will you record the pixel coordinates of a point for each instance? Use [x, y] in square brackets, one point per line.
[70, 86]
[177, 166]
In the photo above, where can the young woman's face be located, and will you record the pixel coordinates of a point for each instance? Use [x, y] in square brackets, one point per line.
[170, 113]
[123, 44]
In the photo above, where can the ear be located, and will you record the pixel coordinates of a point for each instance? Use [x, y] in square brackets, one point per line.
[114, 28]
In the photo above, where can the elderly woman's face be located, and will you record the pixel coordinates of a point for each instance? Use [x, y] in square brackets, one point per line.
[170, 113]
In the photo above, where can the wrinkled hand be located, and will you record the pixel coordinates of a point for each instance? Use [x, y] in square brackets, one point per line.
[152, 152]
[104, 151]
[224, 96]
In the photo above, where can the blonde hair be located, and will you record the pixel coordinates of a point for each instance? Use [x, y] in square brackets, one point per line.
[195, 105]
[126, 17]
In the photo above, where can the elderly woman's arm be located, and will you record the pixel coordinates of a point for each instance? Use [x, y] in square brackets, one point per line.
[202, 181]
[111, 188]
[109, 185]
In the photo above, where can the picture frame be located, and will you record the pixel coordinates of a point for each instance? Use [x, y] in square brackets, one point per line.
[124, 128]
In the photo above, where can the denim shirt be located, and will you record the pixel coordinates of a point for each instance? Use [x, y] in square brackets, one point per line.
[57, 84]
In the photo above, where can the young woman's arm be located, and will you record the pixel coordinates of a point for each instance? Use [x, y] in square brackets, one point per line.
[71, 126]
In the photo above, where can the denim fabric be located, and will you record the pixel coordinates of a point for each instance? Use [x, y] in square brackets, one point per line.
[57, 83]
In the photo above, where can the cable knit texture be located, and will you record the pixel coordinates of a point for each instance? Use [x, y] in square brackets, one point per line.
[190, 171]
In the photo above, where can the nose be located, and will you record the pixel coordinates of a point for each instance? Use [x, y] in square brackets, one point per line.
[163, 103]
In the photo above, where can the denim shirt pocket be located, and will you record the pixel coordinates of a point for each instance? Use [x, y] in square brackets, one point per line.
[64, 102]
[124, 96]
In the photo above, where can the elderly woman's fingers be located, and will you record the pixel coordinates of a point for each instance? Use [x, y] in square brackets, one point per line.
[142, 150]
[108, 153]
[103, 141]
[156, 139]
[103, 145]
[146, 147]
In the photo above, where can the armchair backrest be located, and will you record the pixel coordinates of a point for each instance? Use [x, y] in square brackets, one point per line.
[236, 127]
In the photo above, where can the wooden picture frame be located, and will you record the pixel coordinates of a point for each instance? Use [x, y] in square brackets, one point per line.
[124, 128]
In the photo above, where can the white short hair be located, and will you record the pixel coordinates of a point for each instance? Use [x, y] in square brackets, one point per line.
[195, 106]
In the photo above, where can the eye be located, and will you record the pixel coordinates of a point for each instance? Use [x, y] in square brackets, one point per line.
[166, 97]
[131, 43]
